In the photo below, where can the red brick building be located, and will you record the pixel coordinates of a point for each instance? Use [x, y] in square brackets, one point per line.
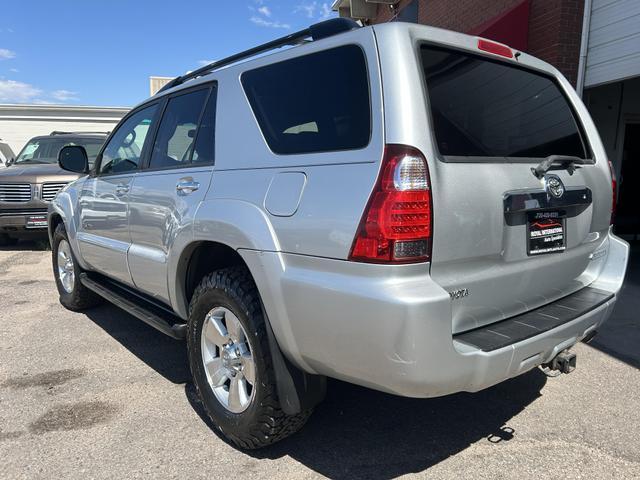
[549, 29]
[594, 43]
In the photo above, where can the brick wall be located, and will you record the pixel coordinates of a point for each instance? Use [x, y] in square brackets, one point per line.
[555, 26]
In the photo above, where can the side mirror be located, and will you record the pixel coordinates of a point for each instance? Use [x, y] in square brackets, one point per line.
[73, 158]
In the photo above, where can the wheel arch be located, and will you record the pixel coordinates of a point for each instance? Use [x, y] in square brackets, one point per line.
[196, 260]
[221, 227]
[55, 219]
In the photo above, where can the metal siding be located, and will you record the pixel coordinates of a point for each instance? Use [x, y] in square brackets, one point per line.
[20, 123]
[614, 41]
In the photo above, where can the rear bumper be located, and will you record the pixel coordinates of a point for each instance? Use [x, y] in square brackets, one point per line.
[371, 325]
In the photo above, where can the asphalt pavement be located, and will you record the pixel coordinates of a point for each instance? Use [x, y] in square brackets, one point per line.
[102, 395]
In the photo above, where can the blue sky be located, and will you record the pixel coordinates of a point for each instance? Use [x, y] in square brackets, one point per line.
[102, 52]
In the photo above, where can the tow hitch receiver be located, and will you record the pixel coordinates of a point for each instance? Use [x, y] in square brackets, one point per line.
[564, 362]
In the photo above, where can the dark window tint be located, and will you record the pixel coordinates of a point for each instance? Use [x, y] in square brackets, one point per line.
[124, 150]
[177, 131]
[490, 109]
[203, 152]
[315, 103]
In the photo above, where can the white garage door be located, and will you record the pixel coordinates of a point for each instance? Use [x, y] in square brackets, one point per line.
[20, 123]
[614, 41]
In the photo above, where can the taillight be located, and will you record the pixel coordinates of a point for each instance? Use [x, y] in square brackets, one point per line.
[396, 225]
[614, 187]
[495, 48]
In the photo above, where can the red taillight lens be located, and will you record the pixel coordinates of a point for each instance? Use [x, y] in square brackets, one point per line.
[396, 226]
[495, 48]
[614, 187]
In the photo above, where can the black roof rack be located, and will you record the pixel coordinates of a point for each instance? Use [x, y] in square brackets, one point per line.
[320, 30]
[58, 132]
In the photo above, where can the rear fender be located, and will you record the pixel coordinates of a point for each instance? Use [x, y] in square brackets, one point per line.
[235, 223]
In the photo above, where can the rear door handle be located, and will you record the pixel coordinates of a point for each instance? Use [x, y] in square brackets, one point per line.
[187, 186]
[122, 189]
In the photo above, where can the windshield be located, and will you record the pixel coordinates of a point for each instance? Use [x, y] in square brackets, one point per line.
[484, 108]
[45, 150]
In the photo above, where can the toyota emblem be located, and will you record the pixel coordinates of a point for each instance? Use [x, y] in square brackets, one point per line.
[553, 186]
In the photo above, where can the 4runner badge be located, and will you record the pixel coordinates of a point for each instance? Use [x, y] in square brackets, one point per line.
[458, 294]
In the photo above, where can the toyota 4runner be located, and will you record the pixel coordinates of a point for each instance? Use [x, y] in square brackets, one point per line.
[402, 207]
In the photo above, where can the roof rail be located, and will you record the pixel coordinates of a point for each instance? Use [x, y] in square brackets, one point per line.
[58, 132]
[317, 31]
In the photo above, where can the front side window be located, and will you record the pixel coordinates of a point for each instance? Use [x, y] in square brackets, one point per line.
[124, 150]
[314, 103]
[177, 132]
[486, 108]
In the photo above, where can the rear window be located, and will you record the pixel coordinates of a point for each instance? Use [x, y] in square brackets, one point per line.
[482, 108]
[315, 103]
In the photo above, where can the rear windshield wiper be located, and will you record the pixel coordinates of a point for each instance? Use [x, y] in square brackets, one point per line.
[565, 161]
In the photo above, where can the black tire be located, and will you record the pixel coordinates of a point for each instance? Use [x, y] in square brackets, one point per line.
[80, 298]
[263, 422]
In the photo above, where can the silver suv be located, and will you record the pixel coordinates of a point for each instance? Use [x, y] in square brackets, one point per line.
[405, 208]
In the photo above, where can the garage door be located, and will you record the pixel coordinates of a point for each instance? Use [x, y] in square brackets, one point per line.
[614, 41]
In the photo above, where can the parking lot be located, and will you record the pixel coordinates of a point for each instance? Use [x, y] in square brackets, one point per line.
[102, 395]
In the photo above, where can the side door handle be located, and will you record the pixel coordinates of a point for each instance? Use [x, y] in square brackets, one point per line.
[122, 189]
[186, 186]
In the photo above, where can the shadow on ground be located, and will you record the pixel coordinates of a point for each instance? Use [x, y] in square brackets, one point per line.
[36, 244]
[165, 355]
[620, 336]
[355, 432]
[361, 433]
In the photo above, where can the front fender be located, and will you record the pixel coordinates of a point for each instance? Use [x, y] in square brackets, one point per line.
[65, 205]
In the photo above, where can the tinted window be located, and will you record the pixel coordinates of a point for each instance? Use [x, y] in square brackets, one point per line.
[203, 152]
[490, 109]
[123, 152]
[175, 139]
[315, 103]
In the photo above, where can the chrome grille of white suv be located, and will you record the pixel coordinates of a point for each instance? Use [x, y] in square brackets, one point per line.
[50, 190]
[15, 192]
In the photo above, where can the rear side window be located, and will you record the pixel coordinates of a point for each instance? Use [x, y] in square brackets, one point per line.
[315, 103]
[203, 152]
[482, 108]
[175, 139]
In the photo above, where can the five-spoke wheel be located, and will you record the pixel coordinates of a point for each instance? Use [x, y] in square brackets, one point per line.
[229, 365]
[66, 272]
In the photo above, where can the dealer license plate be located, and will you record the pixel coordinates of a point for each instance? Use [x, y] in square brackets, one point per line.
[545, 232]
[36, 221]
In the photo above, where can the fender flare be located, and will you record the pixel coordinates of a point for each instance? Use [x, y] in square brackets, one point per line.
[64, 206]
[224, 221]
